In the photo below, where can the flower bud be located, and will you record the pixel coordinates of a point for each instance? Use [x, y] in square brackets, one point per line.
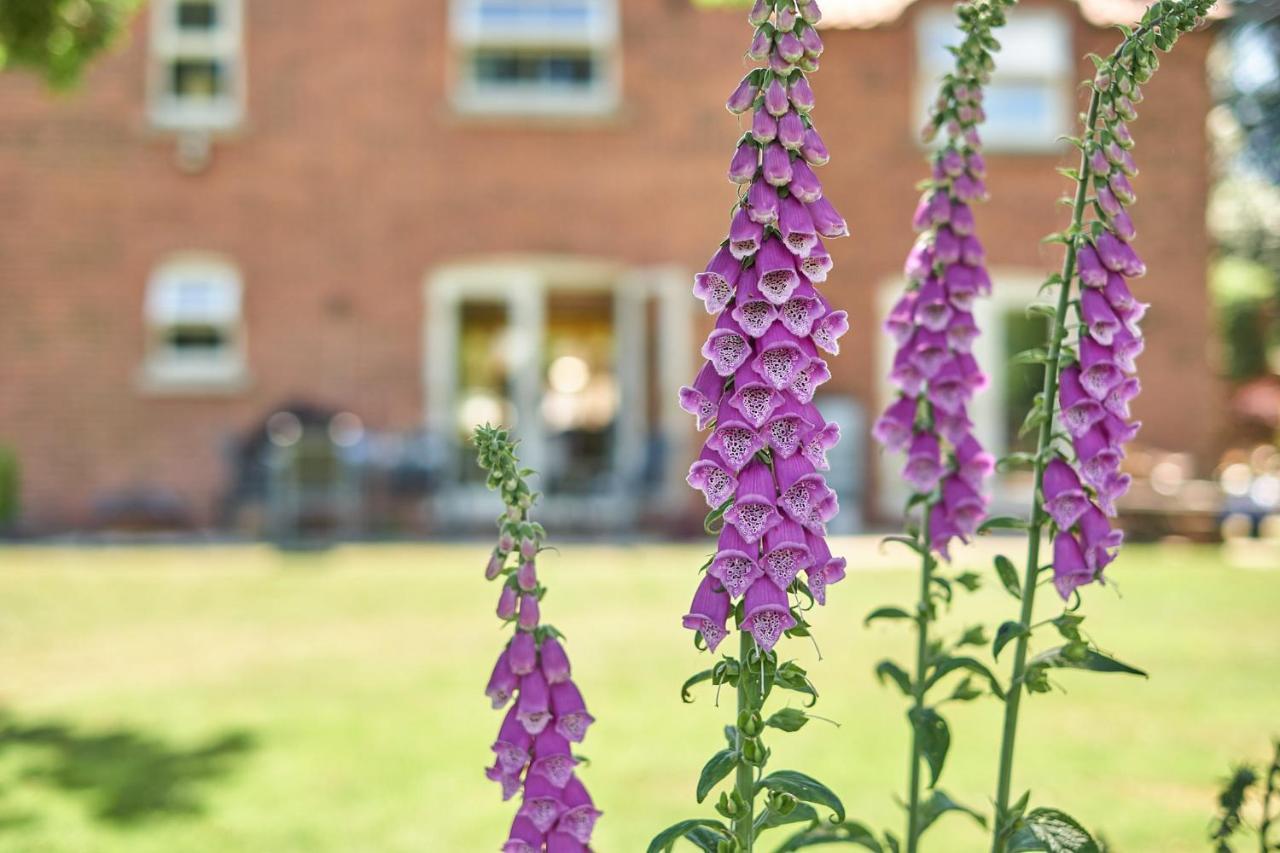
[528, 548]
[497, 561]
[507, 603]
[759, 13]
[527, 576]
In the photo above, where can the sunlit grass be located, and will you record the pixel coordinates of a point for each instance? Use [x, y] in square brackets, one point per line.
[241, 699]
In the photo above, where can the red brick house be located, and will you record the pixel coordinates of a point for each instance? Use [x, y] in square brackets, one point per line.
[426, 215]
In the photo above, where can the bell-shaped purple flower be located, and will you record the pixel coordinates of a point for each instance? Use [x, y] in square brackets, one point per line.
[502, 682]
[554, 662]
[754, 511]
[726, 347]
[522, 653]
[507, 600]
[786, 553]
[1064, 497]
[579, 817]
[523, 838]
[896, 426]
[533, 707]
[1070, 569]
[924, 463]
[542, 805]
[744, 235]
[734, 565]
[572, 719]
[766, 614]
[552, 758]
[709, 612]
[702, 399]
[513, 744]
[710, 475]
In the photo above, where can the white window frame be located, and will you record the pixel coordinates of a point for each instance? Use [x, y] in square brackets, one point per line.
[224, 43]
[1013, 289]
[223, 371]
[1016, 63]
[600, 37]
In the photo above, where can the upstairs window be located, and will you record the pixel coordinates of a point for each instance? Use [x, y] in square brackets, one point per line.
[535, 56]
[1027, 102]
[196, 80]
[195, 330]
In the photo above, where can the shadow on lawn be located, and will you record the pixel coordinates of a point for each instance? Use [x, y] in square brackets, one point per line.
[126, 776]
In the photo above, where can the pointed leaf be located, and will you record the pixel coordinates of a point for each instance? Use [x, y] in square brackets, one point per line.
[886, 613]
[951, 664]
[666, 839]
[1002, 522]
[1008, 576]
[849, 832]
[1005, 634]
[938, 804]
[889, 669]
[705, 675]
[717, 767]
[788, 719]
[804, 788]
[1051, 831]
[768, 818]
[934, 737]
[1091, 659]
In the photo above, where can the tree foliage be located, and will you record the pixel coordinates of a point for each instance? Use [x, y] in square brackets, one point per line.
[57, 38]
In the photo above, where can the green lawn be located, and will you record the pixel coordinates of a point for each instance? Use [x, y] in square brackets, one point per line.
[240, 699]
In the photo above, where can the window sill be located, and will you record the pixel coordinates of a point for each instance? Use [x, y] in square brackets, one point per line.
[162, 379]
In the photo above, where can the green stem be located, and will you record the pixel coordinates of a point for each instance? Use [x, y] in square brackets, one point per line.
[1014, 696]
[745, 783]
[917, 687]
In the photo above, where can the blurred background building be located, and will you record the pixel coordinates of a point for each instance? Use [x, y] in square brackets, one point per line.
[268, 264]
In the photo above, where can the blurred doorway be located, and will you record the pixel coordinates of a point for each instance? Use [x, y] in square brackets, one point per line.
[574, 355]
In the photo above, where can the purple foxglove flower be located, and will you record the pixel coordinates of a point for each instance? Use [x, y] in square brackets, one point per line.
[1122, 188]
[800, 312]
[552, 758]
[580, 815]
[742, 168]
[522, 654]
[1097, 456]
[753, 312]
[563, 842]
[502, 683]
[777, 164]
[507, 603]
[932, 309]
[542, 804]
[1132, 317]
[1099, 541]
[1064, 497]
[780, 66]
[734, 564]
[497, 562]
[764, 127]
[529, 611]
[766, 613]
[786, 18]
[779, 358]
[812, 42]
[734, 440]
[791, 131]
[824, 570]
[934, 208]
[961, 331]
[829, 329]
[968, 188]
[513, 744]
[1070, 570]
[806, 382]
[709, 475]
[523, 838]
[1098, 163]
[814, 151]
[950, 389]
[797, 225]
[760, 13]
[941, 531]
[809, 11]
[1117, 401]
[744, 235]
[802, 490]
[789, 47]
[1108, 202]
[753, 399]
[527, 576]
[510, 784]
[924, 463]
[1123, 226]
[1117, 293]
[533, 707]
[1111, 251]
[896, 426]
[775, 99]
[715, 286]
[801, 96]
[506, 543]
[963, 505]
[709, 612]
[1121, 132]
[761, 43]
[1126, 348]
[929, 352]
[817, 265]
[726, 347]
[528, 549]
[702, 398]
[951, 162]
[826, 220]
[804, 183]
[946, 246]
[1099, 372]
[961, 218]
[974, 464]
[900, 323]
[965, 283]
[1114, 488]
[572, 719]
[977, 165]
[754, 511]
[906, 375]
[816, 443]
[1092, 271]
[744, 96]
[971, 251]
[762, 203]
[554, 662]
[1120, 432]
[919, 263]
[786, 552]
[785, 430]
[777, 268]
[1098, 317]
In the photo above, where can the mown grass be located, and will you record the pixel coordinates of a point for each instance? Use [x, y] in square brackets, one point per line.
[166, 700]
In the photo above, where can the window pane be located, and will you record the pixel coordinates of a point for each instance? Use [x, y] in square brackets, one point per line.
[580, 391]
[559, 69]
[1021, 110]
[1021, 381]
[483, 377]
[194, 339]
[197, 14]
[197, 79]
[535, 13]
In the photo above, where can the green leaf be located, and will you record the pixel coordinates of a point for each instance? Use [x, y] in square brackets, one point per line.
[706, 840]
[716, 768]
[1037, 355]
[788, 719]
[1035, 417]
[705, 675]
[804, 788]
[1005, 634]
[849, 832]
[666, 839]
[886, 613]
[951, 664]
[768, 818]
[889, 669]
[1008, 576]
[938, 804]
[935, 739]
[1091, 659]
[903, 540]
[791, 676]
[1002, 522]
[1051, 831]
